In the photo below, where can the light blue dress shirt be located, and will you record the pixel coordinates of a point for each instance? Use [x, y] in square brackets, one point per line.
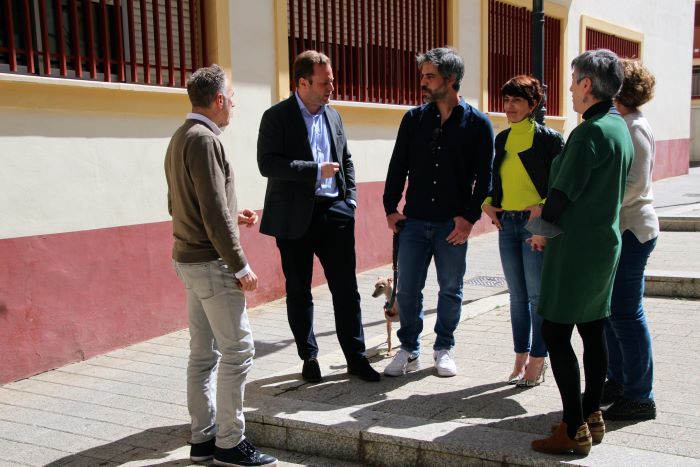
[320, 141]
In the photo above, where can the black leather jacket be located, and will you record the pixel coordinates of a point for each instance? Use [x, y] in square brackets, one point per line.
[546, 145]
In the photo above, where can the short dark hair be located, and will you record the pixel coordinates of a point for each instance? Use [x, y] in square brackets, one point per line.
[447, 61]
[304, 64]
[524, 86]
[638, 85]
[603, 68]
[205, 84]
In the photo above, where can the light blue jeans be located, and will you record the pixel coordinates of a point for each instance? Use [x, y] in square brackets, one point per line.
[523, 269]
[419, 242]
[220, 338]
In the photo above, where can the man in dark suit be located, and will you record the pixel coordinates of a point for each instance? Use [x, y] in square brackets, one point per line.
[310, 209]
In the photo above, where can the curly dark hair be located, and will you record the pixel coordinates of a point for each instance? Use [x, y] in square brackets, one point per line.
[524, 86]
[638, 86]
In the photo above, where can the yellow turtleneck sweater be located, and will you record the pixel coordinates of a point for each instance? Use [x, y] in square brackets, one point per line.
[518, 190]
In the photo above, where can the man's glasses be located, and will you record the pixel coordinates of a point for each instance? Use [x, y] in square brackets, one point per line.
[434, 138]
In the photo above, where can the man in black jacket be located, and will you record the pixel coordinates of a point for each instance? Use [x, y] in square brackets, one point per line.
[445, 148]
[310, 209]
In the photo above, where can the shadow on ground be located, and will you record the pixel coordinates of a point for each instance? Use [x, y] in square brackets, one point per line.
[149, 445]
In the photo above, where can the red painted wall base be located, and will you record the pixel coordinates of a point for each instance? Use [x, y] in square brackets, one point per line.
[672, 158]
[71, 296]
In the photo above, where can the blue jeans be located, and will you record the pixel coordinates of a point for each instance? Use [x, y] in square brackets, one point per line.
[629, 342]
[419, 242]
[522, 268]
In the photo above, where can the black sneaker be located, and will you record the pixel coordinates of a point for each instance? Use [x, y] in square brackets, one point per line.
[200, 452]
[311, 372]
[243, 455]
[627, 409]
[612, 391]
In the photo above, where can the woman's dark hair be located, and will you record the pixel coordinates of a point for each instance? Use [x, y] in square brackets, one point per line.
[524, 86]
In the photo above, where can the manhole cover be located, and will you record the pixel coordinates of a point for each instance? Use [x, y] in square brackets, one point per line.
[487, 281]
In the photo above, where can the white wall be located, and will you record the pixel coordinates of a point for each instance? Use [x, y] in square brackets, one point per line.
[75, 171]
[667, 52]
[63, 172]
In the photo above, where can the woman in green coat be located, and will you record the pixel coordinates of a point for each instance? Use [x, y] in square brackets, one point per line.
[587, 185]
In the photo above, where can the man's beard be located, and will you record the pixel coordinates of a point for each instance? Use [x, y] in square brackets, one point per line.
[435, 95]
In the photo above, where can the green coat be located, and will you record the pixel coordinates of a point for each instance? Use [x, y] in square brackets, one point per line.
[580, 264]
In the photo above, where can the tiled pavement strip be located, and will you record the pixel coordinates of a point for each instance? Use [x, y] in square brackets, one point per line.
[128, 407]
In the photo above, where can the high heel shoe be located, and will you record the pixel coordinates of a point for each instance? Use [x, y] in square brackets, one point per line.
[531, 383]
[518, 368]
[513, 379]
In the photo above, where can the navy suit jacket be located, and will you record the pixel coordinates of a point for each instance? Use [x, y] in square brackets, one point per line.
[285, 158]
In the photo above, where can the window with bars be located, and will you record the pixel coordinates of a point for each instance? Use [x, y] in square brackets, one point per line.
[695, 92]
[510, 52]
[372, 43]
[624, 48]
[157, 42]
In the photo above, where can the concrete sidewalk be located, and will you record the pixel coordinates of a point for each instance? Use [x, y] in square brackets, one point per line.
[128, 407]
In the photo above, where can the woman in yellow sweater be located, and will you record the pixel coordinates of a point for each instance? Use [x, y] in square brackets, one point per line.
[524, 154]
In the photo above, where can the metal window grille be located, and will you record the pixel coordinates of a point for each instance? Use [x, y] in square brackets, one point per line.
[624, 48]
[695, 93]
[372, 43]
[157, 42]
[510, 52]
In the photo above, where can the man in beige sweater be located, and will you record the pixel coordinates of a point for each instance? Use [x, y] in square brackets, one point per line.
[209, 259]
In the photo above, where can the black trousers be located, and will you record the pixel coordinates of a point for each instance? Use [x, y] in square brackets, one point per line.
[331, 237]
[566, 370]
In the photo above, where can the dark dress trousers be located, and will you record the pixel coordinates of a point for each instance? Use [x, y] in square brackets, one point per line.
[305, 225]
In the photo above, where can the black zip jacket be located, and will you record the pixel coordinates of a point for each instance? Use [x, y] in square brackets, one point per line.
[546, 145]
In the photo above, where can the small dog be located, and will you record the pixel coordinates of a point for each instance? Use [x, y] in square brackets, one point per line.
[384, 286]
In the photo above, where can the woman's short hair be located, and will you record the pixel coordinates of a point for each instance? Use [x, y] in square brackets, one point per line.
[305, 62]
[603, 68]
[205, 84]
[637, 86]
[524, 86]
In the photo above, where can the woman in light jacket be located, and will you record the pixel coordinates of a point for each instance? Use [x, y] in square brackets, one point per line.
[524, 154]
[630, 366]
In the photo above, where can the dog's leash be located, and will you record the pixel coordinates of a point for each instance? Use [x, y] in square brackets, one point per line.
[395, 265]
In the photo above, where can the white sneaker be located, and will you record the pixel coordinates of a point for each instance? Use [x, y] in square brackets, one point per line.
[444, 363]
[402, 363]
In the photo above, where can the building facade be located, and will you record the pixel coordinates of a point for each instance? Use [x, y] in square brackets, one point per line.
[91, 91]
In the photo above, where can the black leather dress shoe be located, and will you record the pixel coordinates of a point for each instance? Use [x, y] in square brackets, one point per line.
[364, 370]
[311, 372]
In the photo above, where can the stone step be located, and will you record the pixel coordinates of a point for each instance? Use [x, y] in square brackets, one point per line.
[676, 284]
[679, 224]
[385, 439]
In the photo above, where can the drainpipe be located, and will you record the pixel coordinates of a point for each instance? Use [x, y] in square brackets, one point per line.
[538, 53]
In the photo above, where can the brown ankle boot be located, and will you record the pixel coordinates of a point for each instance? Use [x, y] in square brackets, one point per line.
[596, 425]
[560, 443]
